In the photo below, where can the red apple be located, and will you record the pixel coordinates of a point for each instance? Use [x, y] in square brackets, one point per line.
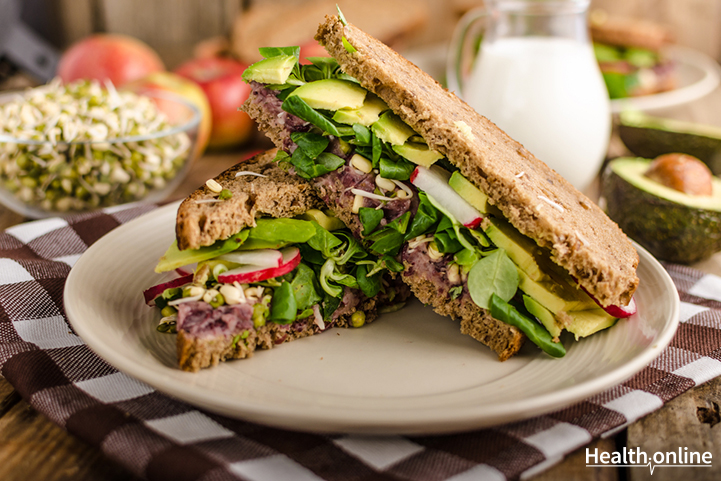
[189, 90]
[118, 58]
[312, 49]
[222, 81]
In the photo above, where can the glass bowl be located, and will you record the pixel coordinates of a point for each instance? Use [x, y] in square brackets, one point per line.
[42, 174]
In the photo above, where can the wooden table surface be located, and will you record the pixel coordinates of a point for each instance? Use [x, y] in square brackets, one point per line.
[33, 448]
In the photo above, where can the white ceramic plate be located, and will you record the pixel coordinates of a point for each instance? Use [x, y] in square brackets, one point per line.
[409, 372]
[698, 75]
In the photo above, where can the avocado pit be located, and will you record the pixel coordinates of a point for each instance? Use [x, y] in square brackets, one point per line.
[683, 173]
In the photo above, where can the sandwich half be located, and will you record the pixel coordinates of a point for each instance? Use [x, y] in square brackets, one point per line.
[487, 233]
[268, 266]
[630, 53]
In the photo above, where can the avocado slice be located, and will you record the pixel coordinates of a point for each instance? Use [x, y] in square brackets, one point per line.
[544, 315]
[521, 249]
[589, 322]
[557, 297]
[328, 222]
[174, 257]
[418, 153]
[331, 94]
[270, 233]
[390, 128]
[472, 194]
[673, 226]
[647, 136]
[366, 115]
[273, 70]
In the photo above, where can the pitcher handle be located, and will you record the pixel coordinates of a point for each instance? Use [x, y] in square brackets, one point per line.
[458, 62]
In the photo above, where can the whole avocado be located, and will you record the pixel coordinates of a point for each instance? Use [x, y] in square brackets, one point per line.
[672, 225]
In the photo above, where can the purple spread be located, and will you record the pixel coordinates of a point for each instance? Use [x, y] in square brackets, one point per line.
[335, 187]
[200, 319]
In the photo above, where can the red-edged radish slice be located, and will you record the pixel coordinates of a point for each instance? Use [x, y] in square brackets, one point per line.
[152, 292]
[619, 312]
[436, 185]
[246, 274]
[258, 258]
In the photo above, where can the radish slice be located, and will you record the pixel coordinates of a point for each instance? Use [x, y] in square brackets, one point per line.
[258, 258]
[247, 274]
[152, 292]
[619, 312]
[436, 185]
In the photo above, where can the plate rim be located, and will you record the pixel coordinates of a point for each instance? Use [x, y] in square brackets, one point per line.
[386, 421]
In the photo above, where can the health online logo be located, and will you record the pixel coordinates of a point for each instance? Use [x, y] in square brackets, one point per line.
[637, 459]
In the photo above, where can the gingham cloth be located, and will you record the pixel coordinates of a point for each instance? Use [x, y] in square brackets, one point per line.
[157, 437]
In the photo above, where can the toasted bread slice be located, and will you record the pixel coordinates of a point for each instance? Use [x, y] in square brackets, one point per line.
[628, 32]
[209, 338]
[534, 198]
[201, 220]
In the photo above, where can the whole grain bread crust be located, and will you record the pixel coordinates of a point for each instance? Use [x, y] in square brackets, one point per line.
[196, 353]
[534, 198]
[202, 220]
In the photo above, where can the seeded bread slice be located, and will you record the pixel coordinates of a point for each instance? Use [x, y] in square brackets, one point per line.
[534, 198]
[201, 220]
[278, 194]
[198, 352]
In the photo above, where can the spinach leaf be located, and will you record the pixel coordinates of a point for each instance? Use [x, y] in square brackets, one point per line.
[370, 218]
[391, 264]
[377, 150]
[310, 143]
[304, 287]
[309, 169]
[400, 223]
[444, 225]
[466, 257]
[323, 241]
[447, 242]
[385, 241]
[296, 106]
[330, 305]
[399, 170]
[424, 220]
[495, 274]
[310, 255]
[267, 52]
[283, 308]
[370, 285]
[362, 134]
[536, 333]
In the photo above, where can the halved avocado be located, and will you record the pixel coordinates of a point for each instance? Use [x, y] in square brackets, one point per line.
[673, 226]
[649, 137]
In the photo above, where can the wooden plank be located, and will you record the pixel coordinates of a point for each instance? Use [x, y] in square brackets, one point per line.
[32, 447]
[574, 466]
[685, 422]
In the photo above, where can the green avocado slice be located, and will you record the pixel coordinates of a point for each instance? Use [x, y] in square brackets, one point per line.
[672, 225]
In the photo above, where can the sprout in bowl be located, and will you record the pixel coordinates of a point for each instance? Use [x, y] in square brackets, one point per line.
[82, 146]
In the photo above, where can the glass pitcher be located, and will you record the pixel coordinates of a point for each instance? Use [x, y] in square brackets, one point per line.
[536, 77]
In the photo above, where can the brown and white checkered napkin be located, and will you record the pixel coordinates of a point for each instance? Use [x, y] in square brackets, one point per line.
[157, 437]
